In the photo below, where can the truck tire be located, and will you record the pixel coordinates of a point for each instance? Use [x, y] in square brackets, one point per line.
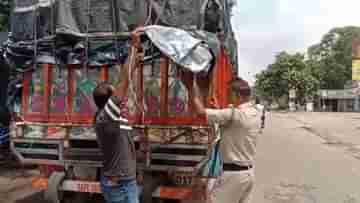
[52, 194]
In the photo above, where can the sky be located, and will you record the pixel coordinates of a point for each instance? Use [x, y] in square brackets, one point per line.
[264, 28]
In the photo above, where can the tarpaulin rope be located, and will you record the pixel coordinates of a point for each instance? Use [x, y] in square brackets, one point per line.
[133, 57]
[150, 5]
[87, 38]
[53, 33]
[115, 30]
[35, 2]
[113, 19]
[161, 13]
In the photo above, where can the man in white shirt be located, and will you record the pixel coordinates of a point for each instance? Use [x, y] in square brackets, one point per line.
[242, 123]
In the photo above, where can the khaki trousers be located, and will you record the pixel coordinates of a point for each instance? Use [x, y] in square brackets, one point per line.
[234, 187]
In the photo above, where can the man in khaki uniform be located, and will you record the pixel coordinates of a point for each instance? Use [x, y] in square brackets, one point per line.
[242, 123]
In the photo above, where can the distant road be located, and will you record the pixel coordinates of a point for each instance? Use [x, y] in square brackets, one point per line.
[309, 158]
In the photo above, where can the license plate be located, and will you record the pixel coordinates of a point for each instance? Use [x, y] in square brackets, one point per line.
[182, 179]
[81, 186]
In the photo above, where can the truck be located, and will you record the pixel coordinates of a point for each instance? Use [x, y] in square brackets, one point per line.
[59, 50]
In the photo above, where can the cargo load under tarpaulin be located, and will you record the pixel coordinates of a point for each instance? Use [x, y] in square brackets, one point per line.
[93, 35]
[79, 17]
[70, 27]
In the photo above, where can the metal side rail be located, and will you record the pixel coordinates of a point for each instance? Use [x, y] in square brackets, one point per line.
[38, 151]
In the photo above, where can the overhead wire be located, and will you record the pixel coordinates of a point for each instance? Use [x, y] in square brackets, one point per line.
[115, 30]
[53, 33]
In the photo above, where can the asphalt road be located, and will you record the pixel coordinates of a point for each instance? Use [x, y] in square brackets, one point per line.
[302, 158]
[300, 162]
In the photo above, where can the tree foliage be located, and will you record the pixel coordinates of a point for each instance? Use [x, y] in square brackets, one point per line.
[327, 65]
[331, 59]
[4, 14]
[287, 72]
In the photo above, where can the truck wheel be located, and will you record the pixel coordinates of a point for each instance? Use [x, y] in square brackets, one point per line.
[52, 194]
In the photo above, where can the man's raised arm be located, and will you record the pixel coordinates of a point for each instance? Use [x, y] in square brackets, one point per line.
[124, 73]
[220, 116]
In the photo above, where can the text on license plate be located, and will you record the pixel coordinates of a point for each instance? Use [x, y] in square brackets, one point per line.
[81, 186]
[182, 179]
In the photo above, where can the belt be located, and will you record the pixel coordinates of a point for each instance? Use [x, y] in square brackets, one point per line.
[235, 167]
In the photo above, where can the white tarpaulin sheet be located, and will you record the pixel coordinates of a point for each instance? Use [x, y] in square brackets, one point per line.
[193, 55]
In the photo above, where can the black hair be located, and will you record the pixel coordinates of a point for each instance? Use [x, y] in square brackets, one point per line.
[101, 94]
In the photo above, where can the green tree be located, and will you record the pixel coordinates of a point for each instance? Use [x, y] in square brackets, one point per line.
[4, 14]
[331, 59]
[269, 84]
[287, 72]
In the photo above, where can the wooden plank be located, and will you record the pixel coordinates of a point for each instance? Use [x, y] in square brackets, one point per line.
[104, 73]
[40, 162]
[37, 140]
[59, 117]
[71, 89]
[76, 117]
[164, 72]
[26, 94]
[30, 116]
[47, 78]
[37, 151]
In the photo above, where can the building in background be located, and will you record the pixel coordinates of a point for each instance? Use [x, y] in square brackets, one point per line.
[336, 101]
[339, 100]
